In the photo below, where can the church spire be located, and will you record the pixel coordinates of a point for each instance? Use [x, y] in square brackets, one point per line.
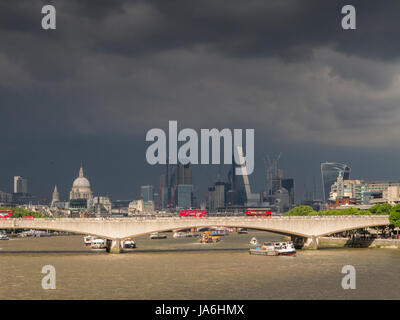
[81, 171]
[56, 196]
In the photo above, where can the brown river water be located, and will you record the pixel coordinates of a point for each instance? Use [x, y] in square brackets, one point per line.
[184, 269]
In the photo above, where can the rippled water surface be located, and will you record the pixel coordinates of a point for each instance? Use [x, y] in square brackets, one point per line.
[184, 269]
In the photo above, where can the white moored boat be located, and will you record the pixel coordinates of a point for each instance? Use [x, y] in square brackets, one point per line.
[179, 234]
[128, 244]
[285, 248]
[99, 243]
[88, 240]
[275, 249]
[156, 235]
[3, 236]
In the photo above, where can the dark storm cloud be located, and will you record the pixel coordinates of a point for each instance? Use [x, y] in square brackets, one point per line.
[241, 28]
[118, 68]
[130, 65]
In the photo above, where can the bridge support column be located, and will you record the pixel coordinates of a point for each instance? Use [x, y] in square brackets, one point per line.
[114, 246]
[311, 243]
[298, 242]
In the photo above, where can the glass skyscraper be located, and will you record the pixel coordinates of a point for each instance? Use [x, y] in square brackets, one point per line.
[329, 173]
[185, 193]
[147, 193]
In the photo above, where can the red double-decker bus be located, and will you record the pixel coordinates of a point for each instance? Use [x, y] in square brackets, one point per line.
[263, 212]
[196, 213]
[5, 214]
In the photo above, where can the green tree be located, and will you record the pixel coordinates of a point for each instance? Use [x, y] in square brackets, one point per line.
[394, 216]
[342, 212]
[300, 211]
[381, 208]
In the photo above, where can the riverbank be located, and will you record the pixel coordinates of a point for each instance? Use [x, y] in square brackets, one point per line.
[329, 242]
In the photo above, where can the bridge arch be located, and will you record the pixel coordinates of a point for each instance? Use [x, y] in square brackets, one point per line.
[272, 230]
[353, 228]
[83, 233]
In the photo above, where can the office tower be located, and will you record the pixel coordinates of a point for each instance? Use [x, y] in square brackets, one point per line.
[211, 197]
[274, 175]
[276, 182]
[5, 198]
[340, 186]
[184, 195]
[147, 193]
[219, 195]
[288, 184]
[329, 173]
[20, 185]
[163, 199]
[156, 201]
[179, 175]
[183, 174]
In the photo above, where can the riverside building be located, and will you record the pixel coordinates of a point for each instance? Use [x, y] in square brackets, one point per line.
[365, 192]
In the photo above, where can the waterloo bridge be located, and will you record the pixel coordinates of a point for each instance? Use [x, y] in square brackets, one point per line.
[303, 229]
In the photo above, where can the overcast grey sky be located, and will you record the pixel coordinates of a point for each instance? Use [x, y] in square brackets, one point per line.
[91, 89]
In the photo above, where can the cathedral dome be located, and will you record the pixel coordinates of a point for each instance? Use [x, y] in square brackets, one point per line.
[81, 187]
[81, 182]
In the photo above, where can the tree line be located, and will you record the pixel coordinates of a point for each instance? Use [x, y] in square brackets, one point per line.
[377, 209]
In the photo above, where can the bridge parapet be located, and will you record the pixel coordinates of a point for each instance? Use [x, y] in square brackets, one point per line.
[323, 217]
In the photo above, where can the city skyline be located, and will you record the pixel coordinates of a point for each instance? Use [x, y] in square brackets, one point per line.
[312, 190]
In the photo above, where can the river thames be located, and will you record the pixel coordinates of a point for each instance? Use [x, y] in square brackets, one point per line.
[185, 269]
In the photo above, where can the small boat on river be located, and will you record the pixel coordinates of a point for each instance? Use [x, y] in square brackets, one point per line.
[128, 244]
[88, 240]
[275, 249]
[207, 237]
[3, 236]
[99, 244]
[156, 235]
[253, 241]
[181, 234]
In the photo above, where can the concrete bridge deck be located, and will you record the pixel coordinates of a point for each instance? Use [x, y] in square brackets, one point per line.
[116, 229]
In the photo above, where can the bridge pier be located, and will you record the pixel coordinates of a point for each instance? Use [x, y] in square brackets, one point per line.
[311, 243]
[114, 246]
[306, 243]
